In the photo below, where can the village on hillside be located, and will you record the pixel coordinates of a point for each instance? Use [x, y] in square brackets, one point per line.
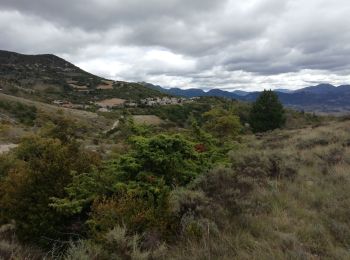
[107, 104]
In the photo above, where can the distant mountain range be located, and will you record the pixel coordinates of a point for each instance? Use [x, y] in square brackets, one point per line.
[319, 98]
[48, 77]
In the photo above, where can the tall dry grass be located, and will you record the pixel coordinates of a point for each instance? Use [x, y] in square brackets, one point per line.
[305, 217]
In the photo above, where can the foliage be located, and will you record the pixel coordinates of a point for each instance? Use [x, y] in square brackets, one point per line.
[25, 114]
[140, 210]
[63, 128]
[222, 123]
[133, 190]
[181, 114]
[214, 191]
[171, 158]
[42, 170]
[267, 112]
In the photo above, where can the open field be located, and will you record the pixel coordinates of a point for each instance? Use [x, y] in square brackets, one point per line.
[112, 102]
[147, 119]
[107, 84]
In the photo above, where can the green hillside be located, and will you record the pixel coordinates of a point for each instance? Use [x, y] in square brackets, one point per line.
[48, 77]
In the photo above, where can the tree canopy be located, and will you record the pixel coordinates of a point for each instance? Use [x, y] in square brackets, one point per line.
[267, 112]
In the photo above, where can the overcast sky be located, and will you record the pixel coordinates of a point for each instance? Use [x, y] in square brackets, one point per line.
[227, 44]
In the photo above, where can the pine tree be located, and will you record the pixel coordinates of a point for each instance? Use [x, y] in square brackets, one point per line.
[267, 112]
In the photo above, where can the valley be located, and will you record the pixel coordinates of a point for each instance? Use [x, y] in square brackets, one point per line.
[92, 168]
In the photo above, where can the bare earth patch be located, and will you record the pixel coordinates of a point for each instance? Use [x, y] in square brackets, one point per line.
[110, 102]
[147, 120]
[107, 85]
[4, 148]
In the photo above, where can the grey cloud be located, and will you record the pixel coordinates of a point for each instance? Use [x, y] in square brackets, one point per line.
[201, 43]
[101, 14]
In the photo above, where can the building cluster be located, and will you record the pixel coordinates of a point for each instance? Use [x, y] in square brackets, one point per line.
[107, 105]
[67, 104]
[163, 101]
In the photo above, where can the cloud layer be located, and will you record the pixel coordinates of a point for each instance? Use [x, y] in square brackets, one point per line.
[228, 44]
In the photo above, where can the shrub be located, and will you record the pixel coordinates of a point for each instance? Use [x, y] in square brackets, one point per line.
[222, 123]
[139, 210]
[261, 165]
[323, 139]
[191, 209]
[25, 114]
[170, 157]
[222, 187]
[42, 170]
[332, 156]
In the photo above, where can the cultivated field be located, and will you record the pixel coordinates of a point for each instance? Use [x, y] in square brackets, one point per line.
[147, 119]
[112, 102]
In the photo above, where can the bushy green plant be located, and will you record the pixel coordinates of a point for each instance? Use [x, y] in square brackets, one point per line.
[171, 158]
[42, 170]
[25, 114]
[222, 123]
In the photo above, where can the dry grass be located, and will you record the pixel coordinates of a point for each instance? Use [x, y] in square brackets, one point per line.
[84, 117]
[303, 218]
[78, 86]
[147, 120]
[12, 249]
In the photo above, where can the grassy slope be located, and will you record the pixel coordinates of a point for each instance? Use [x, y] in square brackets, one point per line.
[307, 218]
[83, 116]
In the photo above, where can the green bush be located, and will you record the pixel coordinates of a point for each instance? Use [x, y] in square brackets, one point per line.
[222, 123]
[25, 114]
[41, 171]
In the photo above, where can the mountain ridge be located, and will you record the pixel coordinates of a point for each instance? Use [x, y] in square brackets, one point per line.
[47, 77]
[318, 98]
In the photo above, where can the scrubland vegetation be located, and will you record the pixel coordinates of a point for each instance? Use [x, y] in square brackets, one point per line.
[200, 186]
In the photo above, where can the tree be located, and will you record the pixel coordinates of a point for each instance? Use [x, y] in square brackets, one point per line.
[267, 112]
[222, 123]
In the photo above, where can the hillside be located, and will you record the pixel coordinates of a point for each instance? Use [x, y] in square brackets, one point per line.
[48, 77]
[297, 211]
[276, 195]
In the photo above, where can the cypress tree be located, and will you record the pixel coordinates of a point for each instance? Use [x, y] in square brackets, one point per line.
[267, 112]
